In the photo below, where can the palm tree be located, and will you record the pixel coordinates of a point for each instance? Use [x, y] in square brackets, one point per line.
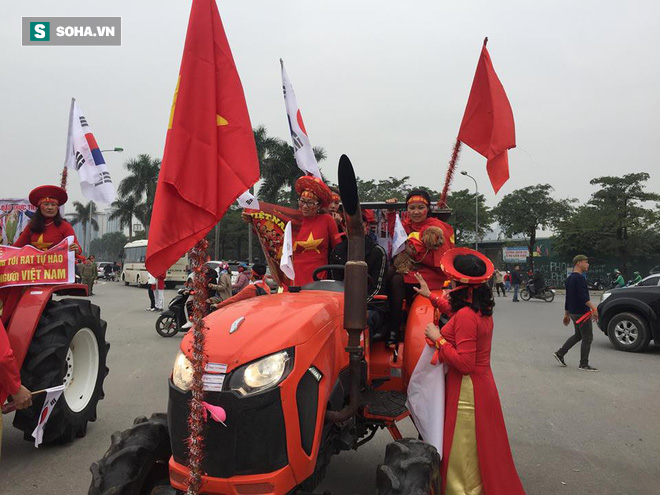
[124, 211]
[83, 215]
[141, 183]
[279, 170]
[265, 145]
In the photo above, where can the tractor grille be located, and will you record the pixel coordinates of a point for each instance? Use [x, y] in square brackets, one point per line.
[253, 442]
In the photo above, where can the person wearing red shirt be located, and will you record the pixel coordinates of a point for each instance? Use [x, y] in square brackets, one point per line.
[46, 229]
[317, 233]
[10, 379]
[415, 220]
[476, 453]
[259, 287]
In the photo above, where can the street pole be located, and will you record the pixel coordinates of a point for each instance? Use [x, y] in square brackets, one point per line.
[249, 227]
[217, 241]
[476, 210]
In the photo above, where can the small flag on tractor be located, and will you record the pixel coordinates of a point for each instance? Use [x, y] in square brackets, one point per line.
[83, 154]
[52, 396]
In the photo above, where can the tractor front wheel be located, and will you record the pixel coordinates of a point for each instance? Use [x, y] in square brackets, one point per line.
[68, 348]
[136, 462]
[411, 467]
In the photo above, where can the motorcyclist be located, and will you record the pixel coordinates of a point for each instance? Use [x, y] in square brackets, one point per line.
[618, 279]
[636, 279]
[536, 283]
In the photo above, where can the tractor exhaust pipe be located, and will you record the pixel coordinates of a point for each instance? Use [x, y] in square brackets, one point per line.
[355, 287]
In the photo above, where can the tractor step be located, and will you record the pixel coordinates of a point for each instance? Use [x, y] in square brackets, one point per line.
[389, 404]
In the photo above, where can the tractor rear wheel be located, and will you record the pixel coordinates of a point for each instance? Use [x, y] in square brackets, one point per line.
[68, 348]
[411, 467]
[137, 461]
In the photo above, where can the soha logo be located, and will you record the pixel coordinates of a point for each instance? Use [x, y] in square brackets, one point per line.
[40, 31]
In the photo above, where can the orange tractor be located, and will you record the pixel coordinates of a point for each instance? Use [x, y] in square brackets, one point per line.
[299, 380]
[59, 342]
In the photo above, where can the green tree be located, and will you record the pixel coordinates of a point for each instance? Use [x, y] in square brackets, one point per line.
[525, 211]
[380, 190]
[463, 216]
[141, 184]
[109, 246]
[123, 209]
[615, 220]
[83, 215]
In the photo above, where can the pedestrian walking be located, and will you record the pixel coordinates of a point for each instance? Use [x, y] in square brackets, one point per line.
[89, 273]
[499, 283]
[151, 286]
[159, 293]
[507, 281]
[577, 307]
[516, 280]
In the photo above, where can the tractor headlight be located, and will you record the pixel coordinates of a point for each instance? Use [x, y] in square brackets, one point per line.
[262, 374]
[182, 374]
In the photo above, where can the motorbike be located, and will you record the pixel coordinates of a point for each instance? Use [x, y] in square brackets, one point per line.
[176, 318]
[545, 294]
[595, 285]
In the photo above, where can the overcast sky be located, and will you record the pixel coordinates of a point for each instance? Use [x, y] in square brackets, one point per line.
[385, 82]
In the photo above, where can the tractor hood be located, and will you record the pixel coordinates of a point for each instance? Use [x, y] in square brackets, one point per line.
[271, 323]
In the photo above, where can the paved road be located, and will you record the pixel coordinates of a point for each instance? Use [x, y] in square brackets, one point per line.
[571, 432]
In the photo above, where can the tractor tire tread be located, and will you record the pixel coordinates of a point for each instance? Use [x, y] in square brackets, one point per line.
[411, 467]
[136, 457]
[44, 367]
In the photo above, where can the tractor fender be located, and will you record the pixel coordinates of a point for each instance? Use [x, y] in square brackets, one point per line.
[26, 316]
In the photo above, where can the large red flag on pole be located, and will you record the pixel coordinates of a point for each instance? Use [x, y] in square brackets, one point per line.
[487, 125]
[210, 156]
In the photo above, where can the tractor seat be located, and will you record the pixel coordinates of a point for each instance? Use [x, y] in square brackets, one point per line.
[326, 285]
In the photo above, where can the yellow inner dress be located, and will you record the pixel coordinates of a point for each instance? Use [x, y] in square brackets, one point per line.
[463, 475]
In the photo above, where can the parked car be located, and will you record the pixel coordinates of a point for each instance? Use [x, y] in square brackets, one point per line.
[630, 316]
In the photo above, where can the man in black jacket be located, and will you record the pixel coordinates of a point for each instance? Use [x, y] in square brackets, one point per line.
[581, 311]
[376, 259]
[516, 280]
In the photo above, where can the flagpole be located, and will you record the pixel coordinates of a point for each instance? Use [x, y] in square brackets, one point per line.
[196, 420]
[450, 173]
[65, 170]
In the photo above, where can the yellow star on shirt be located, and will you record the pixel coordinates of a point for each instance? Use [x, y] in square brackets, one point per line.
[310, 244]
[40, 244]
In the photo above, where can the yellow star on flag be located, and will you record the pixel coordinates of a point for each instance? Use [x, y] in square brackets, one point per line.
[220, 120]
[310, 244]
[40, 244]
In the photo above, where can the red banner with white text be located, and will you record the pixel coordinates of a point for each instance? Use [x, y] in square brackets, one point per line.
[31, 266]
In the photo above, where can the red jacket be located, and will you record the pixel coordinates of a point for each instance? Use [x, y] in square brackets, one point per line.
[10, 378]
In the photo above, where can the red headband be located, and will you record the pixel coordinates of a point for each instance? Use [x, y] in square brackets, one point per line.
[309, 194]
[417, 199]
[48, 200]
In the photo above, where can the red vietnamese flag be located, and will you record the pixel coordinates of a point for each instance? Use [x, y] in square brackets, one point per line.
[487, 125]
[210, 156]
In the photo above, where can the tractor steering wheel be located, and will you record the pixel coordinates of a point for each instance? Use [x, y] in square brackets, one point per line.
[325, 268]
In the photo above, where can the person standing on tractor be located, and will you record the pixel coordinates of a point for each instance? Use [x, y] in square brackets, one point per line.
[317, 233]
[416, 221]
[10, 379]
[46, 229]
[476, 453]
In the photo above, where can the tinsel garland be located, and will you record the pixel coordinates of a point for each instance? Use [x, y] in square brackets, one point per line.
[442, 203]
[196, 421]
[65, 174]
